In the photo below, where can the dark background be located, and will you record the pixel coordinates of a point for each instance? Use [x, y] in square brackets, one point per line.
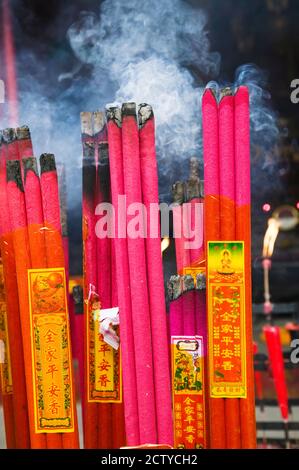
[264, 32]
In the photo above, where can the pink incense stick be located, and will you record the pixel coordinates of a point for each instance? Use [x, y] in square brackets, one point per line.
[212, 230]
[90, 420]
[138, 281]
[123, 279]
[228, 230]
[150, 195]
[243, 232]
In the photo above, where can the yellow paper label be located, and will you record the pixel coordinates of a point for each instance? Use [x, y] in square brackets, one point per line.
[226, 319]
[104, 376]
[51, 355]
[5, 366]
[188, 386]
[193, 271]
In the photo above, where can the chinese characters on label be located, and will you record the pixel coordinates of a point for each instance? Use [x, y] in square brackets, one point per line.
[5, 366]
[104, 365]
[52, 370]
[226, 319]
[188, 392]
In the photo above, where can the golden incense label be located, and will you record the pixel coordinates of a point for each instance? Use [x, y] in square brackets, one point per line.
[188, 392]
[104, 365]
[226, 319]
[51, 354]
[5, 366]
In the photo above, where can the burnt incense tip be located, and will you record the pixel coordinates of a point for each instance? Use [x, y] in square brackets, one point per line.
[29, 164]
[145, 113]
[224, 92]
[78, 299]
[23, 133]
[103, 152]
[211, 92]
[13, 173]
[86, 123]
[178, 192]
[114, 114]
[47, 162]
[188, 282]
[128, 109]
[200, 281]
[88, 150]
[192, 189]
[9, 135]
[194, 169]
[98, 121]
[175, 286]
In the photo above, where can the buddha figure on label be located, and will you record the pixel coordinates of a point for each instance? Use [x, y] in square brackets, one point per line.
[226, 263]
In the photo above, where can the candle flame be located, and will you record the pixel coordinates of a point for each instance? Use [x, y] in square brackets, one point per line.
[165, 244]
[270, 237]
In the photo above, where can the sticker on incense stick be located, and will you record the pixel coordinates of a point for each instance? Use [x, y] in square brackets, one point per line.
[226, 319]
[51, 355]
[104, 365]
[5, 367]
[188, 397]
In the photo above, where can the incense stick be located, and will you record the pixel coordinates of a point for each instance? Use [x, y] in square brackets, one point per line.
[150, 195]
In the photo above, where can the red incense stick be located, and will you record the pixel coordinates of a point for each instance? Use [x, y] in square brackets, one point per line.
[123, 278]
[138, 281]
[18, 219]
[228, 230]
[13, 315]
[176, 322]
[243, 232]
[150, 195]
[212, 230]
[90, 416]
[55, 259]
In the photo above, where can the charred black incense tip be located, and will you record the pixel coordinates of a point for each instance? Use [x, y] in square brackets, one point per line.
[23, 133]
[178, 192]
[192, 189]
[188, 282]
[145, 113]
[88, 150]
[103, 152]
[174, 286]
[200, 281]
[114, 114]
[29, 164]
[47, 162]
[78, 299]
[227, 91]
[128, 109]
[9, 135]
[13, 173]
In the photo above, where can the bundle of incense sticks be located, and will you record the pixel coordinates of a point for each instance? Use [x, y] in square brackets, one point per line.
[102, 410]
[39, 277]
[19, 397]
[187, 324]
[227, 218]
[143, 326]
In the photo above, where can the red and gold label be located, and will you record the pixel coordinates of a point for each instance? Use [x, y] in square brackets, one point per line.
[51, 353]
[5, 366]
[104, 365]
[188, 392]
[226, 319]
